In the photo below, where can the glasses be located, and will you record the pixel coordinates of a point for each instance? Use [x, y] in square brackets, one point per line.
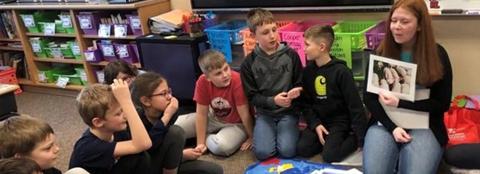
[166, 93]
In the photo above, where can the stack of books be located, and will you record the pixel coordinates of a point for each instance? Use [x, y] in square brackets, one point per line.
[168, 22]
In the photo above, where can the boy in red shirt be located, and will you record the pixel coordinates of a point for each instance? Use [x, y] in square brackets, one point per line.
[222, 109]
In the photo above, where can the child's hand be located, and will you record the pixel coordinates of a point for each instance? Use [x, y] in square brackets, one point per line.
[320, 129]
[247, 145]
[191, 154]
[401, 136]
[282, 100]
[388, 98]
[201, 148]
[120, 90]
[172, 106]
[294, 93]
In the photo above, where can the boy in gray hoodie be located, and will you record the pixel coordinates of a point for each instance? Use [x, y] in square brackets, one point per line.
[271, 77]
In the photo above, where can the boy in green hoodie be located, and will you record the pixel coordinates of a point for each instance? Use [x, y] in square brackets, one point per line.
[331, 103]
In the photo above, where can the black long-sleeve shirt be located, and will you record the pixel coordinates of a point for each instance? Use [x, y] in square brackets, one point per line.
[331, 97]
[436, 105]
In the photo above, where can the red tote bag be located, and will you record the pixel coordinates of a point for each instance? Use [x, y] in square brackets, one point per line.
[463, 124]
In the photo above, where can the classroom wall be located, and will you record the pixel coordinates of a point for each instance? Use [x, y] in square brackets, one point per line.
[458, 34]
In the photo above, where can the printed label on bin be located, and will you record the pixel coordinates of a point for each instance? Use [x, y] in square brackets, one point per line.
[135, 22]
[75, 49]
[36, 47]
[89, 56]
[122, 51]
[83, 76]
[100, 76]
[104, 30]
[85, 23]
[62, 82]
[42, 77]
[28, 20]
[66, 22]
[107, 50]
[120, 30]
[56, 53]
[49, 28]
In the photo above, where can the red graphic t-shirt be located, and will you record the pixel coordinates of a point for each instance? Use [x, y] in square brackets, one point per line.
[224, 100]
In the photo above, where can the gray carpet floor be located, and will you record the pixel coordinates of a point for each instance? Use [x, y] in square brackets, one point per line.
[59, 110]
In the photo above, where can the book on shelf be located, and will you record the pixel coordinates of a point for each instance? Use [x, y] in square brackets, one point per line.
[7, 27]
[15, 60]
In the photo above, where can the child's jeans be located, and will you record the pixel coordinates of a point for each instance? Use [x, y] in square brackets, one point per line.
[275, 133]
[227, 139]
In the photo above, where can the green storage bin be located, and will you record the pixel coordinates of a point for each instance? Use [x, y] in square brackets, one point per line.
[77, 53]
[66, 50]
[73, 79]
[38, 47]
[350, 36]
[32, 21]
[66, 23]
[82, 74]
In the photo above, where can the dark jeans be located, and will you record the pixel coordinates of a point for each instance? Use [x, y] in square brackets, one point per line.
[465, 156]
[168, 154]
[339, 143]
[199, 167]
[137, 163]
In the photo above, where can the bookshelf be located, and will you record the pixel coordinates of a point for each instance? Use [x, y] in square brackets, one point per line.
[35, 64]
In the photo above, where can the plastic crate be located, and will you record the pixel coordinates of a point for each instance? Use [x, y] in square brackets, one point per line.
[375, 35]
[222, 35]
[350, 36]
[292, 34]
[249, 40]
[8, 76]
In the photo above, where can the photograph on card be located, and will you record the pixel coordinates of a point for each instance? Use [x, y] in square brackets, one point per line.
[392, 75]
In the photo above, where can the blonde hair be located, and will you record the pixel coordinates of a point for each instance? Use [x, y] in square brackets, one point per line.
[211, 60]
[94, 101]
[425, 54]
[258, 17]
[20, 135]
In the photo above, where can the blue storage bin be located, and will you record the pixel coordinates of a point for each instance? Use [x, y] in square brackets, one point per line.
[223, 35]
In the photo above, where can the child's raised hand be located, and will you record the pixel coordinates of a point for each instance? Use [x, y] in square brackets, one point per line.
[172, 106]
[282, 100]
[120, 90]
[294, 93]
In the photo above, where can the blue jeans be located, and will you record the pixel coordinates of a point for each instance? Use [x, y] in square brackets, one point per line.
[381, 154]
[272, 133]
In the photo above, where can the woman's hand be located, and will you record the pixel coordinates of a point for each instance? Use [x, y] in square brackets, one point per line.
[401, 136]
[386, 97]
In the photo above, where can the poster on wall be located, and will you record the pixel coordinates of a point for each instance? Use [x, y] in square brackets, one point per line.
[392, 75]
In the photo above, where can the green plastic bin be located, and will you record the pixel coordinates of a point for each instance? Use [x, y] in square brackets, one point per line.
[350, 36]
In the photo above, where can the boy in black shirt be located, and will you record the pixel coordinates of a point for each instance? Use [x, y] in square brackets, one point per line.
[106, 147]
[332, 105]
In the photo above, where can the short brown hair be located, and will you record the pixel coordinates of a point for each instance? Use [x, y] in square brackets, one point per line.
[19, 166]
[94, 101]
[258, 17]
[320, 32]
[20, 135]
[211, 60]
